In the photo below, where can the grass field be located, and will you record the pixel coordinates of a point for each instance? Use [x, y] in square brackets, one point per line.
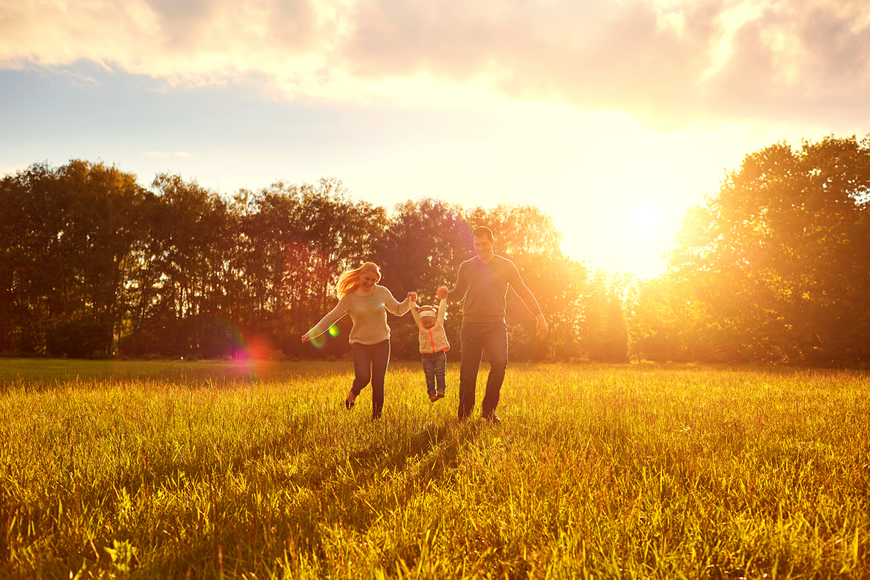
[208, 469]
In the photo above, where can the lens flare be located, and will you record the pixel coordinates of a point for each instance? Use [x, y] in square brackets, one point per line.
[334, 331]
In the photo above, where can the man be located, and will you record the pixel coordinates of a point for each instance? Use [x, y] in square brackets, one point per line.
[483, 281]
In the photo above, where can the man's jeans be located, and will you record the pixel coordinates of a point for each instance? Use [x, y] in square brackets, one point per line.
[435, 368]
[477, 338]
[370, 363]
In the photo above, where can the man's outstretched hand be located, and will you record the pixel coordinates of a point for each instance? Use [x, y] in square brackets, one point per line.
[541, 327]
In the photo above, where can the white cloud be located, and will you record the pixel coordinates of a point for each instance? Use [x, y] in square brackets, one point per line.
[166, 154]
[668, 62]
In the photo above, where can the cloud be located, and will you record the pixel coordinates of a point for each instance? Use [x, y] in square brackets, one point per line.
[166, 154]
[667, 62]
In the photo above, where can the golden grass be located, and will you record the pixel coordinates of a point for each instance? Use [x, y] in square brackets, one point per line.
[157, 470]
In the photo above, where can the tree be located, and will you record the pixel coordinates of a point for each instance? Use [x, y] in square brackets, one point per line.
[181, 283]
[68, 234]
[527, 236]
[420, 249]
[778, 257]
[89, 259]
[601, 326]
[295, 241]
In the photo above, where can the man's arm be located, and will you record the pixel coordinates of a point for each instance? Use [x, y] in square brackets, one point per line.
[531, 303]
[458, 291]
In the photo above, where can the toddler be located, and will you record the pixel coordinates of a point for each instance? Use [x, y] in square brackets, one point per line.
[433, 347]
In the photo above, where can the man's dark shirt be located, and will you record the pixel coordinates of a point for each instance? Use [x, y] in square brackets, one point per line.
[485, 289]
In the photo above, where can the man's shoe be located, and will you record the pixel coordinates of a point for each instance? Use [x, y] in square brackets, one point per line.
[348, 402]
[493, 418]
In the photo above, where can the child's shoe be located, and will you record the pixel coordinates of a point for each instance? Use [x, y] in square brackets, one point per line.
[433, 397]
[441, 394]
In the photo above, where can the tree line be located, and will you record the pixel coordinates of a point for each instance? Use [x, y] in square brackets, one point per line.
[94, 265]
[774, 267]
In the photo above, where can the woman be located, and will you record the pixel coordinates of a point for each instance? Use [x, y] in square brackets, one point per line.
[367, 303]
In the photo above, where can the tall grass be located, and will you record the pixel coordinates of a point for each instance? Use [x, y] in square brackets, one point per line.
[625, 471]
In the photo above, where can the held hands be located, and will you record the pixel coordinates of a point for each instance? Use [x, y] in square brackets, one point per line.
[305, 337]
[441, 293]
[412, 297]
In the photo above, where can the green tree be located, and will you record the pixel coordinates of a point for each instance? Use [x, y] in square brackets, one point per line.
[295, 241]
[69, 235]
[32, 265]
[666, 323]
[528, 237]
[778, 257]
[420, 249]
[601, 325]
[186, 261]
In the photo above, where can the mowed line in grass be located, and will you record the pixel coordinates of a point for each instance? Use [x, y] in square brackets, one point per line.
[209, 468]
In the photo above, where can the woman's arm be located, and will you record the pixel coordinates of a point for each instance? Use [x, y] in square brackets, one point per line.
[331, 318]
[396, 307]
[414, 312]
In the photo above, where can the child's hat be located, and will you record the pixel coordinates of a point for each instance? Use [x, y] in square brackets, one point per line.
[426, 313]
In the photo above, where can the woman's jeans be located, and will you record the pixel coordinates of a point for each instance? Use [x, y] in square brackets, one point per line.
[370, 364]
[435, 368]
[478, 338]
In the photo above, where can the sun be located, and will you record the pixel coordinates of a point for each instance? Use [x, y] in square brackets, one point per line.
[629, 233]
[643, 220]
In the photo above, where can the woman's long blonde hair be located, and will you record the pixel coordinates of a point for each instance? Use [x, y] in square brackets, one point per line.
[349, 281]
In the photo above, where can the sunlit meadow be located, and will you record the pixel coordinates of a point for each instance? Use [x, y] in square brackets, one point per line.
[193, 469]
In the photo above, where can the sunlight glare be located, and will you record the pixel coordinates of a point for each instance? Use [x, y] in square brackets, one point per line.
[643, 221]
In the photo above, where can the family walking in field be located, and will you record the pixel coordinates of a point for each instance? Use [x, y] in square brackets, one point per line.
[481, 281]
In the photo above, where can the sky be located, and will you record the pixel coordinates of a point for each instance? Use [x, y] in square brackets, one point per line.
[613, 116]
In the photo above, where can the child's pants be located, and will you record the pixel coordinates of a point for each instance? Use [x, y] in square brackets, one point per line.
[435, 367]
